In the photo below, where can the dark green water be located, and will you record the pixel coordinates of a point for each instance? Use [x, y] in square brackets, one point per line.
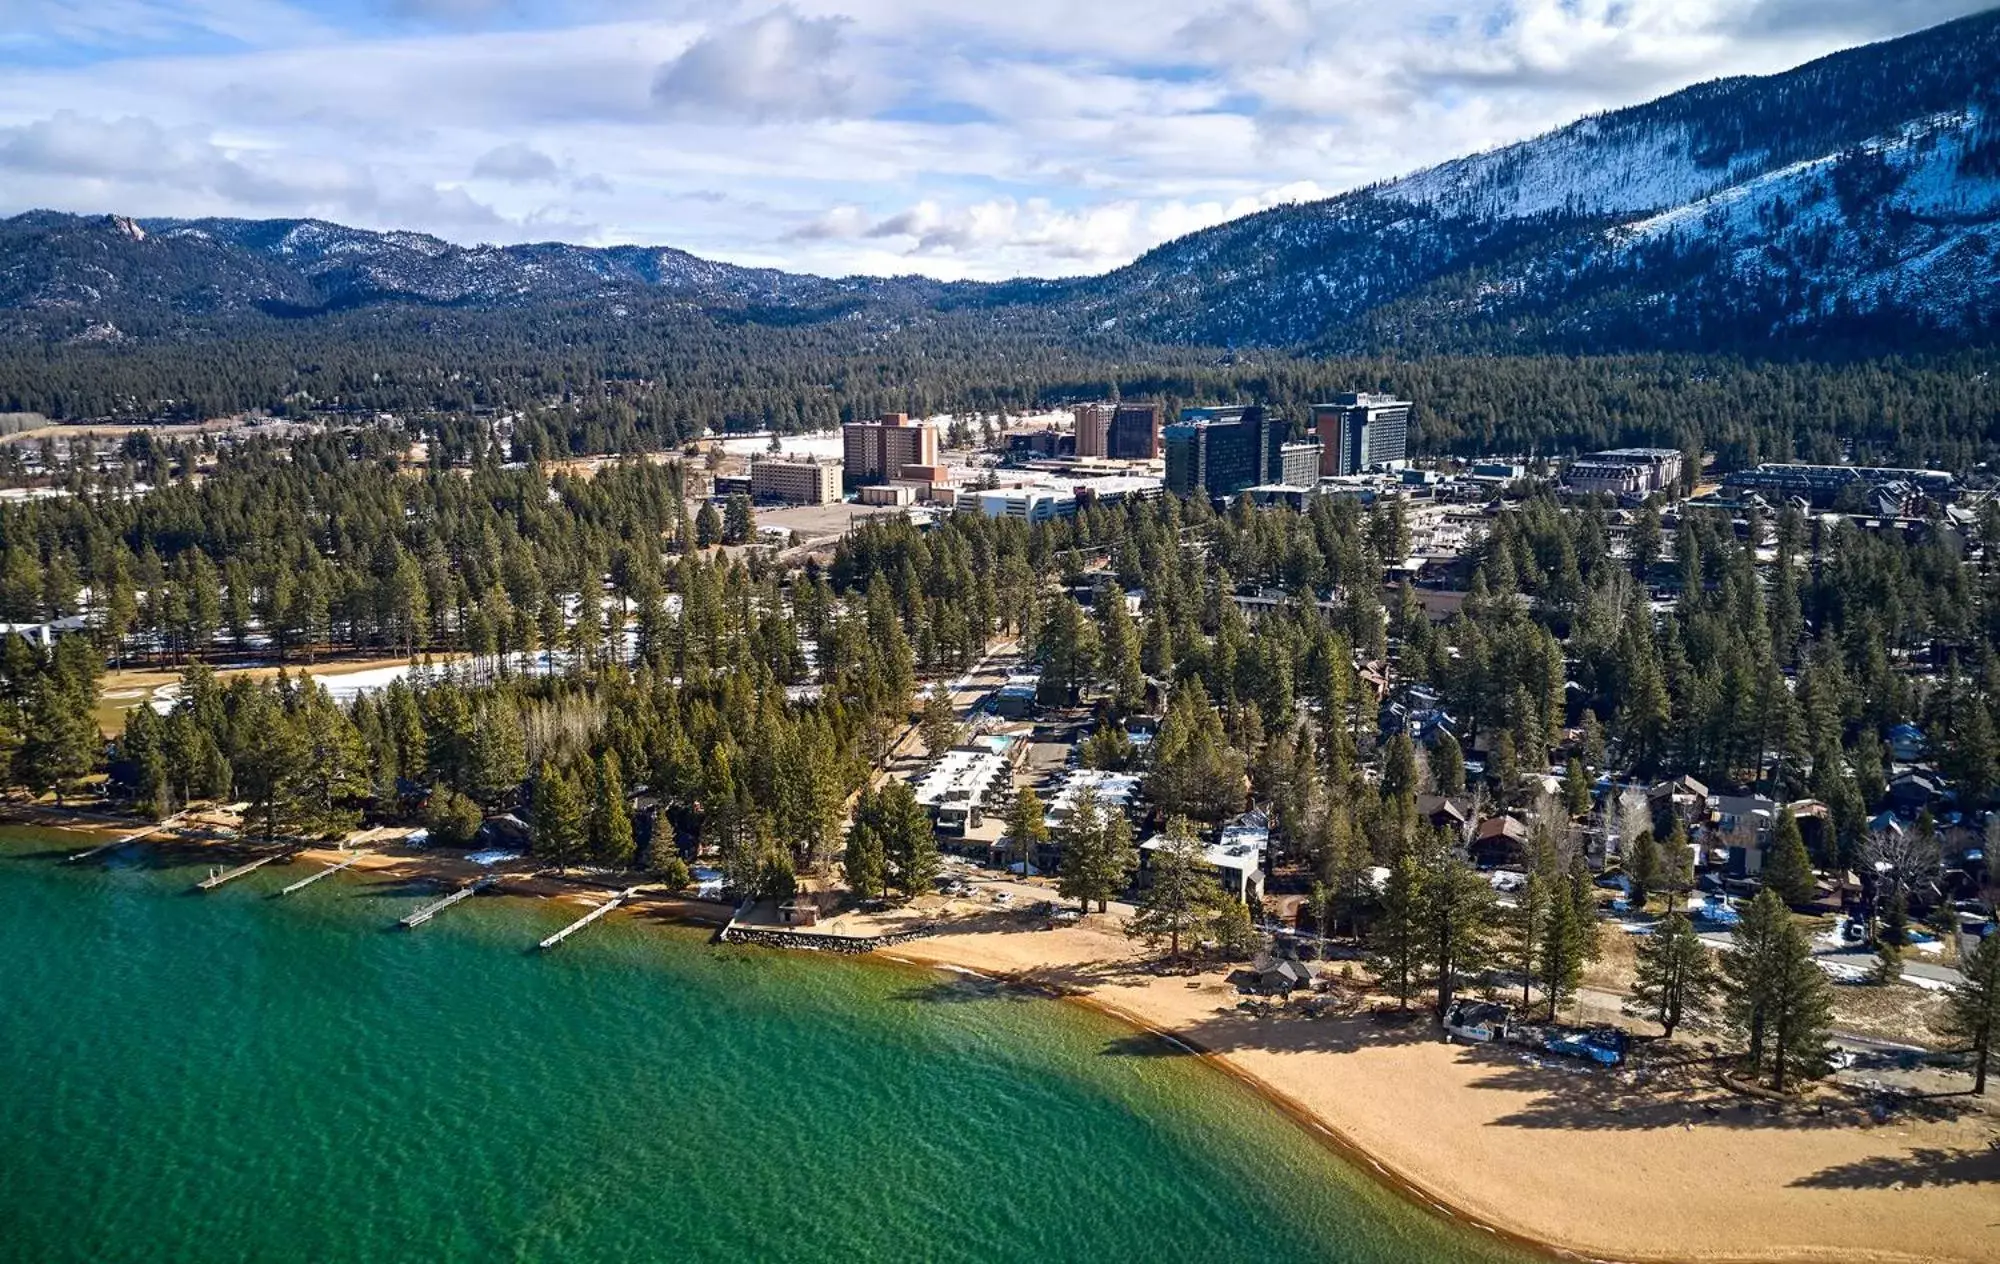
[234, 1077]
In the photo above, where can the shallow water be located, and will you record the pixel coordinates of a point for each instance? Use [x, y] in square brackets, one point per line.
[231, 1076]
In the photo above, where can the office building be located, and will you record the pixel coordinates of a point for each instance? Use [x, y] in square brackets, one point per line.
[1218, 452]
[1093, 429]
[795, 482]
[1135, 433]
[1359, 430]
[875, 450]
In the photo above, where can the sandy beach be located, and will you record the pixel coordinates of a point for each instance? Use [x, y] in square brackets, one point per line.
[1606, 1164]
[1590, 1161]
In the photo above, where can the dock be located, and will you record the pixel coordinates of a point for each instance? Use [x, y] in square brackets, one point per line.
[221, 876]
[588, 918]
[81, 856]
[309, 879]
[428, 911]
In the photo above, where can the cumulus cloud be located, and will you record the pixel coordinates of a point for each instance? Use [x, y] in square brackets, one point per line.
[777, 67]
[516, 162]
[78, 156]
[1090, 235]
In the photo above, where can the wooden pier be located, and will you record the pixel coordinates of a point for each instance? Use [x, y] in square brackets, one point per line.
[309, 879]
[221, 876]
[120, 841]
[588, 918]
[428, 911]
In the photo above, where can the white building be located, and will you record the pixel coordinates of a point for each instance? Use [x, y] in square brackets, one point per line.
[956, 787]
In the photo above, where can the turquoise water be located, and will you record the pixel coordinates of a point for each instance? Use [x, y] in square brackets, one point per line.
[231, 1076]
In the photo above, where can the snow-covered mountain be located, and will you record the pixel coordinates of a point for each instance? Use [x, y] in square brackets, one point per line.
[1853, 198]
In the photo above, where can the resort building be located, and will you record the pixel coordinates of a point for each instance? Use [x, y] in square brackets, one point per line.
[795, 481]
[1217, 452]
[1634, 473]
[875, 451]
[1093, 429]
[1135, 432]
[1359, 430]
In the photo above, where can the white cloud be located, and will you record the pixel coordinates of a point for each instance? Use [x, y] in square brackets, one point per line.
[516, 162]
[775, 67]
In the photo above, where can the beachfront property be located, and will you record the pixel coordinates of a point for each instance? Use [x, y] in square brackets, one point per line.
[959, 785]
[1235, 858]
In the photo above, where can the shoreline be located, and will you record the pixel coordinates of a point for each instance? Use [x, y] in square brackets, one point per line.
[1287, 1062]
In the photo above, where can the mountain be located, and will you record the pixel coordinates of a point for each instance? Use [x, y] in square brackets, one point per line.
[1856, 198]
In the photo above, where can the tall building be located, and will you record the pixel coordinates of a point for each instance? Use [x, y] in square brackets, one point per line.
[875, 450]
[1093, 430]
[1218, 452]
[1298, 464]
[1135, 433]
[1358, 430]
[795, 482]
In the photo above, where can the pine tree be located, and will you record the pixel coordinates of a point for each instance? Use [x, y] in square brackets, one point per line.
[1456, 907]
[611, 842]
[59, 739]
[707, 526]
[940, 724]
[1676, 865]
[1675, 976]
[1787, 868]
[498, 756]
[1576, 789]
[1448, 765]
[1565, 935]
[1973, 1006]
[452, 819]
[1748, 972]
[908, 841]
[865, 862]
[1893, 933]
[559, 823]
[1800, 1002]
[1642, 868]
[739, 520]
[1396, 939]
[1027, 827]
[1182, 895]
[328, 772]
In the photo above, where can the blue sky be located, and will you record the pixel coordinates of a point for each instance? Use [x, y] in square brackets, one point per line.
[882, 136]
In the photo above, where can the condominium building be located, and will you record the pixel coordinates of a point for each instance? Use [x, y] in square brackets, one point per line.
[875, 450]
[795, 481]
[1358, 430]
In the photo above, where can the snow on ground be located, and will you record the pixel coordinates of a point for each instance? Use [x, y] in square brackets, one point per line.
[824, 444]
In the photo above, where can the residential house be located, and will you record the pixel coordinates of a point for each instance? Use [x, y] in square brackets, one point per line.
[1500, 842]
[1906, 743]
[1912, 792]
[1441, 813]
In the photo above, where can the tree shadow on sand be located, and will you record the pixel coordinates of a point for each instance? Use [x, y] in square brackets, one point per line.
[1577, 1096]
[1918, 1168]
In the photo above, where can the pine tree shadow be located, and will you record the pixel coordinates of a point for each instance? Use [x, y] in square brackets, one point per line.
[1572, 1095]
[1920, 1168]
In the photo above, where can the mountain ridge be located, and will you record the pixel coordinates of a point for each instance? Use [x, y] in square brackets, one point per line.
[1855, 195]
